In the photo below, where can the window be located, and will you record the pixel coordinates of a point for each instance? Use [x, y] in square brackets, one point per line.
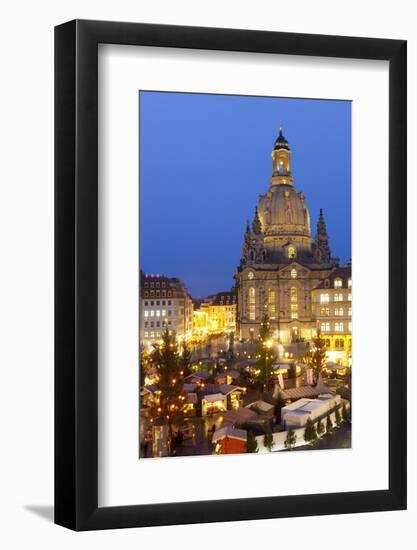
[294, 302]
[350, 312]
[146, 293]
[338, 312]
[158, 323]
[252, 303]
[158, 302]
[146, 323]
[146, 303]
[169, 302]
[327, 342]
[152, 302]
[350, 327]
[326, 283]
[271, 304]
[349, 283]
[152, 324]
[158, 313]
[169, 313]
[338, 297]
[324, 298]
[324, 311]
[146, 333]
[339, 343]
[338, 327]
[349, 297]
[152, 312]
[293, 273]
[164, 313]
[325, 327]
[164, 293]
[152, 334]
[146, 313]
[291, 252]
[338, 283]
[163, 302]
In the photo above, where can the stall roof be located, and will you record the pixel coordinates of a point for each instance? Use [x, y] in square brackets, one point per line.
[231, 432]
[214, 397]
[239, 416]
[304, 391]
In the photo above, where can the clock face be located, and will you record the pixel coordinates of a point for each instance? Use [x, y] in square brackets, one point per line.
[250, 275]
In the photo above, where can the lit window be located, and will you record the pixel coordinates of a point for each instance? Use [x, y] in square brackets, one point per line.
[293, 273]
[350, 312]
[350, 297]
[271, 303]
[146, 334]
[338, 327]
[252, 303]
[291, 252]
[164, 313]
[146, 313]
[338, 312]
[324, 298]
[350, 327]
[338, 283]
[158, 313]
[152, 313]
[294, 314]
[349, 283]
[325, 327]
[324, 311]
[152, 334]
[338, 297]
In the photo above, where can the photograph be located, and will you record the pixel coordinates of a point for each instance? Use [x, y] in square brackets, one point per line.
[245, 276]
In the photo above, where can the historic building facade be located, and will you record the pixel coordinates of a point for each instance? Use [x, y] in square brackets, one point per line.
[332, 303]
[281, 263]
[164, 302]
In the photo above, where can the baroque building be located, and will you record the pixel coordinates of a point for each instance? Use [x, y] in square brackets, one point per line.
[281, 262]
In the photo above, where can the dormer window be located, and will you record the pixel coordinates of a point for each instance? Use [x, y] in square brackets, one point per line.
[338, 283]
[326, 283]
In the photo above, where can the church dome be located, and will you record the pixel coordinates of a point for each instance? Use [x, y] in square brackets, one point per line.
[283, 211]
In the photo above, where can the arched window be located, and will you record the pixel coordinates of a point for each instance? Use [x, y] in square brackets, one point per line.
[294, 302]
[271, 303]
[252, 303]
[291, 252]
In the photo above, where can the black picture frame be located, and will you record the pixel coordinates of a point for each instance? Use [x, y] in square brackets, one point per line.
[76, 272]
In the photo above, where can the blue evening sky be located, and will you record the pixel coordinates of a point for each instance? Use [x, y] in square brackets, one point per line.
[205, 159]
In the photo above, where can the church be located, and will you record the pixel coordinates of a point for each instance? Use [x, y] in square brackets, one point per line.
[281, 263]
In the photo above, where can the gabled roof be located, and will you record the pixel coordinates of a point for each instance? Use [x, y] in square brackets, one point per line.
[230, 432]
[344, 273]
[214, 397]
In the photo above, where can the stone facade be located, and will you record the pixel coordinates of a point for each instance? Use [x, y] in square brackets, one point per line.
[164, 302]
[281, 263]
